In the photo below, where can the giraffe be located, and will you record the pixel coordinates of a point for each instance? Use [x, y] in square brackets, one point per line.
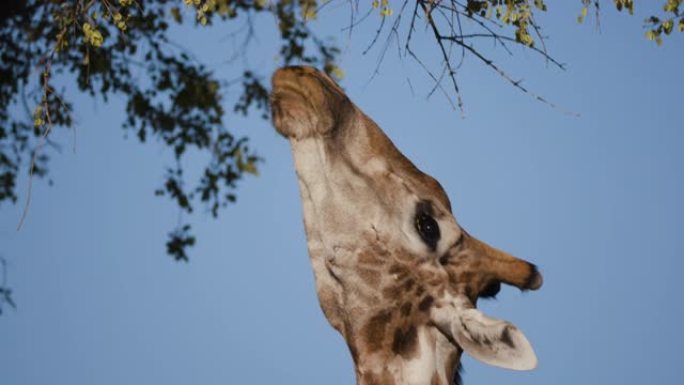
[395, 273]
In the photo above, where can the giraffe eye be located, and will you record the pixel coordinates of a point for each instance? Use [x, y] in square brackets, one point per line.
[428, 229]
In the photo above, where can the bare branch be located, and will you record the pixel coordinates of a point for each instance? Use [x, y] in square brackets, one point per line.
[515, 83]
[375, 38]
[447, 61]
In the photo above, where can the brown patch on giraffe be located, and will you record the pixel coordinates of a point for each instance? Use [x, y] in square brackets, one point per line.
[370, 257]
[401, 277]
[435, 379]
[452, 366]
[375, 330]
[406, 309]
[408, 285]
[384, 378]
[405, 341]
[506, 338]
[425, 303]
[374, 256]
[393, 292]
[370, 276]
[463, 276]
[400, 271]
[327, 298]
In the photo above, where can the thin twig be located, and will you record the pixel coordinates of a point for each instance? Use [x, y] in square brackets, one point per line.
[375, 38]
[500, 38]
[537, 31]
[432, 76]
[447, 62]
[41, 142]
[353, 24]
[515, 83]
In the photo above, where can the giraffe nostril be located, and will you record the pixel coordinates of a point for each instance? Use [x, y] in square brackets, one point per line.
[491, 290]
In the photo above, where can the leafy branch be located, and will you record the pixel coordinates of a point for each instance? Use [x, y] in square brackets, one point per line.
[458, 25]
[122, 47]
[176, 101]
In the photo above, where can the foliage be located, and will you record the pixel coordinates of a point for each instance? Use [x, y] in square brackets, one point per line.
[657, 26]
[178, 102]
[104, 45]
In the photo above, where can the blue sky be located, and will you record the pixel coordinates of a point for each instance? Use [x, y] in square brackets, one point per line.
[595, 201]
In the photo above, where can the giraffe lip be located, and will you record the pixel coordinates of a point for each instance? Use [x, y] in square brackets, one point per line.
[306, 103]
[284, 90]
[307, 86]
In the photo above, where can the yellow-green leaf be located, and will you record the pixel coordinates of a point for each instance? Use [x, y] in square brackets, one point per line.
[672, 6]
[250, 167]
[582, 15]
[309, 13]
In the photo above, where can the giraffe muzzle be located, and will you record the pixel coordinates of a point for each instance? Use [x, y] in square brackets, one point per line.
[306, 102]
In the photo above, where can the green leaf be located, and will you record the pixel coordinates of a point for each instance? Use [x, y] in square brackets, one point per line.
[582, 15]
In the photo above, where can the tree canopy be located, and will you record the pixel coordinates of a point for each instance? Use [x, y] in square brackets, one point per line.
[122, 47]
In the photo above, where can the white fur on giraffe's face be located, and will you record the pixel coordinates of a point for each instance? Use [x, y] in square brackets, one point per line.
[341, 205]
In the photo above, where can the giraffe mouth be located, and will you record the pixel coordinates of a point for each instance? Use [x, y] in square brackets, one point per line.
[491, 290]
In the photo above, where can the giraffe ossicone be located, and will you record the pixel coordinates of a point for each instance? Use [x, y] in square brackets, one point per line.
[395, 273]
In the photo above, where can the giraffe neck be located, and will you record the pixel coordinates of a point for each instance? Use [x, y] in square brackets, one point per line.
[434, 361]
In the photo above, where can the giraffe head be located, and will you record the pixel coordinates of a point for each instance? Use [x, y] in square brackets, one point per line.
[396, 274]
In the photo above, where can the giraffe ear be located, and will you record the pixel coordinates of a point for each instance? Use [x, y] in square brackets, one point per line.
[494, 342]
